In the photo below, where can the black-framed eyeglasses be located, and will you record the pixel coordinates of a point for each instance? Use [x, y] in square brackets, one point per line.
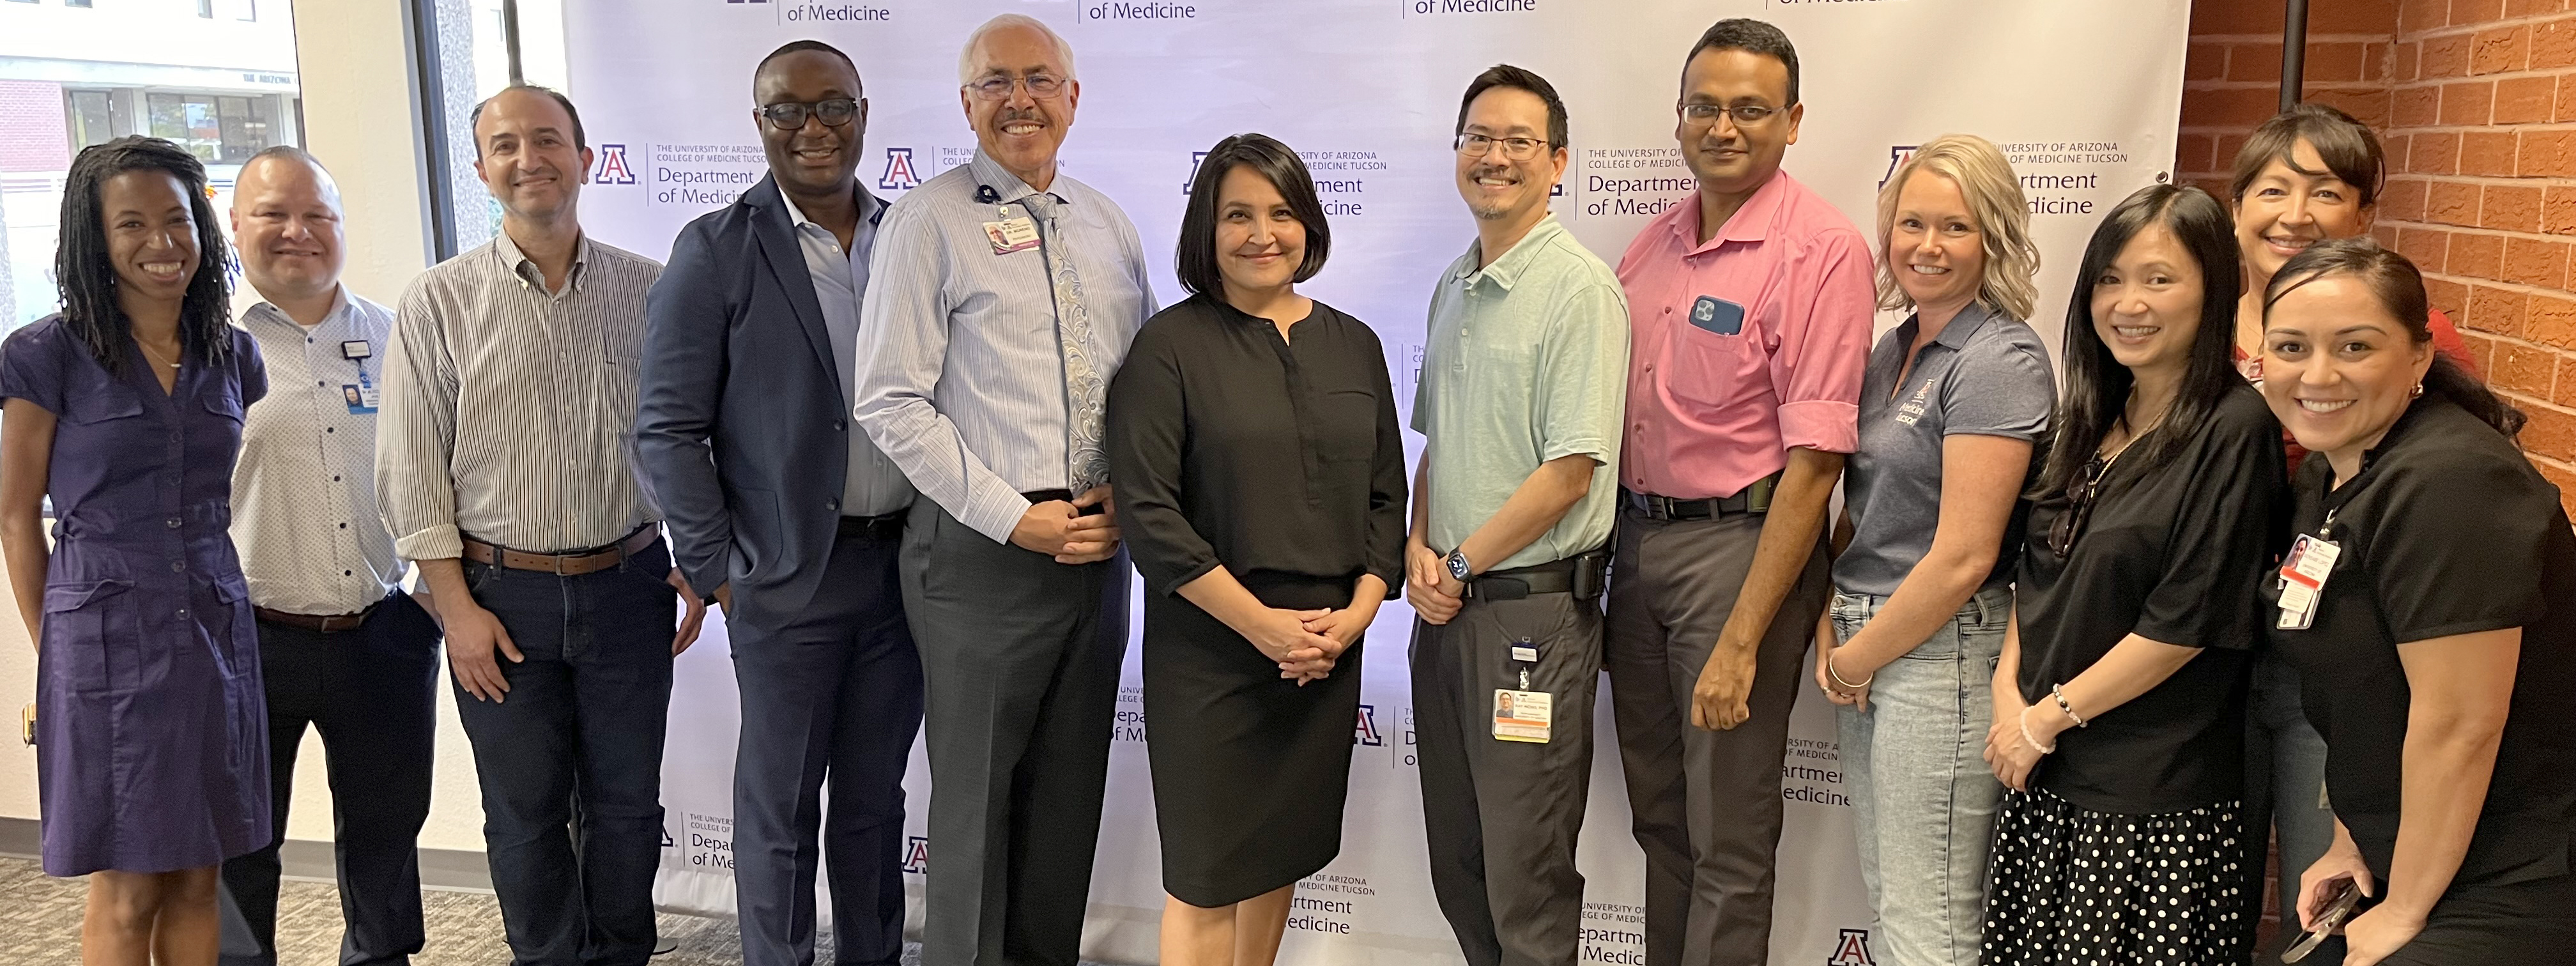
[1745, 115]
[995, 88]
[789, 115]
[2069, 526]
[1517, 149]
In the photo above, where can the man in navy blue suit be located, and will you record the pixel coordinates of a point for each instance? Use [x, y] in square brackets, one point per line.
[784, 513]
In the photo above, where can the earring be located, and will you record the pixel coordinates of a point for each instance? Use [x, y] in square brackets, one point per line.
[2419, 390]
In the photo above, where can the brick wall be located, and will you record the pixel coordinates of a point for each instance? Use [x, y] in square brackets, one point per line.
[34, 136]
[2476, 103]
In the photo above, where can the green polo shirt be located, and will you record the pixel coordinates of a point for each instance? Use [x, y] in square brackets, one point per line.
[1527, 362]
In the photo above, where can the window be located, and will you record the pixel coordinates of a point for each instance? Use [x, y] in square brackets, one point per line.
[471, 59]
[206, 9]
[67, 3]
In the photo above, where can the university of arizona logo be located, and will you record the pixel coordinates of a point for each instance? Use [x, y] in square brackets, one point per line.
[1853, 948]
[1366, 732]
[613, 167]
[916, 855]
[899, 175]
[1195, 158]
[1897, 155]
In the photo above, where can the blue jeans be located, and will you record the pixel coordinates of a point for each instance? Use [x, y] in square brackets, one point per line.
[570, 762]
[2285, 787]
[1923, 800]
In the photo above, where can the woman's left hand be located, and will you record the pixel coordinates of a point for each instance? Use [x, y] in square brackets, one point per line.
[1342, 627]
[2375, 935]
[2011, 753]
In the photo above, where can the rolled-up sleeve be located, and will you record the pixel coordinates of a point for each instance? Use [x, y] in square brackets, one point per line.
[903, 347]
[1827, 302]
[416, 433]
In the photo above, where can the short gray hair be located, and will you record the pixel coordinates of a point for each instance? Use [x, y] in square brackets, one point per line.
[966, 66]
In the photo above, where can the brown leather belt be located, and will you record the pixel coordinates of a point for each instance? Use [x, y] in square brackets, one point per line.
[317, 623]
[564, 564]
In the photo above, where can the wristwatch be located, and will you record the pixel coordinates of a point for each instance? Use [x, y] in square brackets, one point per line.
[1457, 561]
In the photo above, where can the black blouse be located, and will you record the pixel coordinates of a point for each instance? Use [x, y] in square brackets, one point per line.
[2446, 530]
[1228, 445]
[2172, 553]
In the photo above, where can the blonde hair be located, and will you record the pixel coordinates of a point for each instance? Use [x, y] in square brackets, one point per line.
[1994, 199]
[967, 68]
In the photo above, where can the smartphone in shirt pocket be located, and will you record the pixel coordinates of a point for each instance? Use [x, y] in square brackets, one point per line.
[1717, 315]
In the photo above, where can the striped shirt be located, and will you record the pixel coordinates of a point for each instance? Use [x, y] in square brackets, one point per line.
[304, 487]
[509, 409]
[964, 381]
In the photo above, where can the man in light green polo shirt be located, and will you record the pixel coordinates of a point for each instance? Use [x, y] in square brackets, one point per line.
[1520, 397]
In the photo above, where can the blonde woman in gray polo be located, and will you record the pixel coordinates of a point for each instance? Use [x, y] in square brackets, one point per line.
[1951, 403]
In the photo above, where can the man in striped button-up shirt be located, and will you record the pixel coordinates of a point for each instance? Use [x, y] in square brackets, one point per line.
[1001, 298]
[503, 468]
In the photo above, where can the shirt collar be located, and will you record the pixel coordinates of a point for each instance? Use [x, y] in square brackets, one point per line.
[990, 174]
[1507, 269]
[1963, 326]
[1751, 223]
[266, 310]
[525, 269]
[870, 209]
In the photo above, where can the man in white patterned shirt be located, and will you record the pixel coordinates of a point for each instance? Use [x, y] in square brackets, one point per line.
[342, 647]
[503, 468]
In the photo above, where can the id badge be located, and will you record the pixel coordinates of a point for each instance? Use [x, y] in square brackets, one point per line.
[2304, 572]
[362, 396]
[1009, 235]
[1521, 715]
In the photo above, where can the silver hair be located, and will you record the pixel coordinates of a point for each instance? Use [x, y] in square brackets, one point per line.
[966, 66]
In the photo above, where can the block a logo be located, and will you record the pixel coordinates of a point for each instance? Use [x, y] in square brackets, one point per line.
[1853, 948]
[916, 855]
[613, 166]
[899, 175]
[1195, 158]
[1897, 155]
[1366, 733]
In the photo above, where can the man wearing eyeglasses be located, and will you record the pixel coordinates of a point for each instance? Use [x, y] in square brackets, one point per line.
[1002, 297]
[1750, 309]
[785, 514]
[1519, 408]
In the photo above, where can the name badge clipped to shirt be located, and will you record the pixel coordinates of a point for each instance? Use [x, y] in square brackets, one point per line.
[1014, 233]
[2303, 580]
[1523, 715]
[362, 396]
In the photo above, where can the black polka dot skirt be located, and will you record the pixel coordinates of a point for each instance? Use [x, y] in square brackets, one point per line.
[2074, 887]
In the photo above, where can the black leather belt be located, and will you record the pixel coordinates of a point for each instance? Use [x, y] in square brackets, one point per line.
[317, 623]
[1042, 496]
[1572, 574]
[885, 526]
[1754, 498]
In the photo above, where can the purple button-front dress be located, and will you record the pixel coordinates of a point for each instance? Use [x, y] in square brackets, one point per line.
[152, 728]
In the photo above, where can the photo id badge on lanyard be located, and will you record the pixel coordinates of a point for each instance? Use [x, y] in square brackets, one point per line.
[362, 397]
[1522, 715]
[1014, 233]
[2303, 576]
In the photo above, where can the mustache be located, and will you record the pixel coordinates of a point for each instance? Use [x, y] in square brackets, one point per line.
[1010, 114]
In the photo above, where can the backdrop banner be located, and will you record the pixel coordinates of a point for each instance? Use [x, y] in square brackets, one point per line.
[2083, 96]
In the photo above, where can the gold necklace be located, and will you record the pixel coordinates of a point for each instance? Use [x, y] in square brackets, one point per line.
[154, 356]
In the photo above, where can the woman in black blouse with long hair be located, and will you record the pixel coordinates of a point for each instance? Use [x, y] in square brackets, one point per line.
[2119, 700]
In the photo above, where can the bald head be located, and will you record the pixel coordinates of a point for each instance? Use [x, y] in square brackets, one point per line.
[286, 224]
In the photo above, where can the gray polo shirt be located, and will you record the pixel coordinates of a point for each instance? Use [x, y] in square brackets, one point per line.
[1986, 375]
[1527, 362]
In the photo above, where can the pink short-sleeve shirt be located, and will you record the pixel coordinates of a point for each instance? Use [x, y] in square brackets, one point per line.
[1743, 346]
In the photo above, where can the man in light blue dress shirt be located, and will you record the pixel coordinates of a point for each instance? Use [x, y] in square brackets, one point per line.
[787, 515]
[1002, 296]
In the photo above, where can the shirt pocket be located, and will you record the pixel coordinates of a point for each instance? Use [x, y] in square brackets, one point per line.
[102, 403]
[1346, 425]
[1707, 369]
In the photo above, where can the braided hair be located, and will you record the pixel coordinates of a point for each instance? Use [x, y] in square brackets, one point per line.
[87, 275]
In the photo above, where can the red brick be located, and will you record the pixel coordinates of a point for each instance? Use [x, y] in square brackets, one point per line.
[2549, 432]
[2403, 200]
[2237, 17]
[2558, 210]
[2369, 105]
[2404, 62]
[2446, 56]
[2495, 311]
[2487, 153]
[2553, 45]
[2566, 97]
[2510, 208]
[2525, 100]
[2415, 15]
[2223, 156]
[2551, 321]
[2433, 153]
[2338, 17]
[2204, 61]
[2476, 256]
[2466, 12]
[2415, 106]
[2566, 380]
[2236, 107]
[2481, 348]
[2547, 154]
[2532, 261]
[2334, 62]
[2385, 235]
[2525, 8]
[2196, 153]
[2449, 296]
[2254, 62]
[2500, 50]
[2374, 61]
[2426, 247]
[2451, 203]
[2466, 103]
[2526, 369]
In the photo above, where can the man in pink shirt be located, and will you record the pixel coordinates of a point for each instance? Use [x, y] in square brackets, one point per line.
[1749, 318]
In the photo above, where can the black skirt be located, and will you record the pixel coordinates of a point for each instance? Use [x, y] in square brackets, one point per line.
[2074, 887]
[1250, 770]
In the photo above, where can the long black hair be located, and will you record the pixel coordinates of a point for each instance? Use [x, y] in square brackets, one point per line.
[2399, 286]
[87, 275]
[2097, 385]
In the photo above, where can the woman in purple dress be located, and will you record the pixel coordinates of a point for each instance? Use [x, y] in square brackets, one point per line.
[151, 732]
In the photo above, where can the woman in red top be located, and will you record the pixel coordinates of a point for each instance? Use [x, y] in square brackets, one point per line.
[2309, 174]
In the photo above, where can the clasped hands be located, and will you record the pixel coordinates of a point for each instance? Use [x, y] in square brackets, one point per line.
[1060, 530]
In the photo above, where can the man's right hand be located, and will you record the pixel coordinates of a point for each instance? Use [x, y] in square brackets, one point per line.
[472, 635]
[1424, 573]
[724, 597]
[1049, 528]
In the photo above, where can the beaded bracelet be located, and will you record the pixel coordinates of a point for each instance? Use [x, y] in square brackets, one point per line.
[2059, 692]
[2024, 721]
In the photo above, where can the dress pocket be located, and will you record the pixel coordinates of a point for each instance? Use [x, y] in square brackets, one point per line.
[83, 623]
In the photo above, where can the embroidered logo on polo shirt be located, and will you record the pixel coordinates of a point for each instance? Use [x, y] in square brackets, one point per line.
[1915, 407]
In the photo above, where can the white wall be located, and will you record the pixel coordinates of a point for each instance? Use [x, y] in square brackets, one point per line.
[163, 32]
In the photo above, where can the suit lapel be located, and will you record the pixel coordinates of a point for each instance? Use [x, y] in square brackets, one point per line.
[786, 259]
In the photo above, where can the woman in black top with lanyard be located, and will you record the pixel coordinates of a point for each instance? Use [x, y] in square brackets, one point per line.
[2429, 600]
[1260, 479]
[2119, 701]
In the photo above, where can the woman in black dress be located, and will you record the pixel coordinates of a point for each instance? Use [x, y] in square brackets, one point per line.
[1260, 480]
[2119, 701]
[2429, 600]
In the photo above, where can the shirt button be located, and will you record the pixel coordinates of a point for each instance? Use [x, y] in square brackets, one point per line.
[172, 523]
[833, 504]
[183, 613]
[344, 526]
[1668, 310]
[839, 425]
[328, 429]
[335, 479]
[321, 384]
[178, 566]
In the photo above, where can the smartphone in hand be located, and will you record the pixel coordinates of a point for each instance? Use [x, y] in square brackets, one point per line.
[2338, 909]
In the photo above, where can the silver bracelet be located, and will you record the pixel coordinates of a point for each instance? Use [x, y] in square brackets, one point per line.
[2059, 692]
[1837, 676]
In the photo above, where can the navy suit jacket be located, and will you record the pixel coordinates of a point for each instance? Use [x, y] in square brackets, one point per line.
[741, 430]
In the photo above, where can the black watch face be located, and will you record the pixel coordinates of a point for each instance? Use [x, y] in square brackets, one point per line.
[1457, 566]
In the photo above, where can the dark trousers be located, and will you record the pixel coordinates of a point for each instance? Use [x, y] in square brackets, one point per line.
[372, 693]
[1705, 804]
[1501, 817]
[570, 762]
[1020, 655]
[830, 690]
